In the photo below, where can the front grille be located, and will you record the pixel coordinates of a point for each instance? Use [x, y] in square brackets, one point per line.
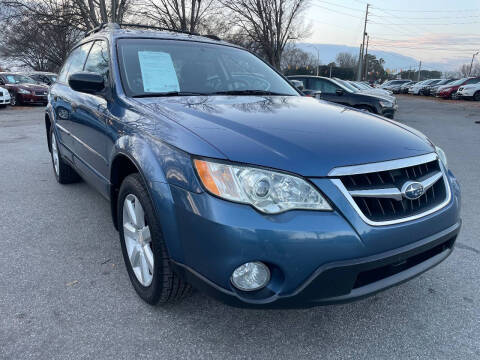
[379, 207]
[40, 93]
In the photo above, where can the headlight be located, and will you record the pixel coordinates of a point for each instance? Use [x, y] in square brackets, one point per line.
[442, 156]
[23, 91]
[268, 191]
[385, 103]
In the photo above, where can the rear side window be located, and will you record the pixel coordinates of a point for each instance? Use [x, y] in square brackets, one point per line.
[473, 81]
[75, 62]
[322, 85]
[303, 80]
[98, 59]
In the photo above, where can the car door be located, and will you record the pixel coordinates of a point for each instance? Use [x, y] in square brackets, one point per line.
[64, 100]
[88, 125]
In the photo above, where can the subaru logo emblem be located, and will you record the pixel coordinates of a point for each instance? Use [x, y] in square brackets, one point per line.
[412, 190]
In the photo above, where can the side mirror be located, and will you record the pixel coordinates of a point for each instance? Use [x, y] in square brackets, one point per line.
[317, 95]
[339, 92]
[86, 82]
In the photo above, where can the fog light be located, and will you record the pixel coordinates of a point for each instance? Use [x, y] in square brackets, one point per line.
[251, 276]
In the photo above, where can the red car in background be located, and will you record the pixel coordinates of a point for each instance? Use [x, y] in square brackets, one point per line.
[23, 89]
[449, 91]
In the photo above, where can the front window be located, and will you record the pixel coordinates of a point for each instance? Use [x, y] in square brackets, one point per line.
[19, 79]
[151, 67]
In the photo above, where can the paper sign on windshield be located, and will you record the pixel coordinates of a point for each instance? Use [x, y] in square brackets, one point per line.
[158, 72]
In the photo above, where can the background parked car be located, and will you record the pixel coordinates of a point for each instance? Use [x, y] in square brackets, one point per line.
[449, 91]
[43, 77]
[471, 91]
[340, 92]
[404, 88]
[4, 97]
[366, 88]
[432, 89]
[417, 89]
[23, 89]
[395, 85]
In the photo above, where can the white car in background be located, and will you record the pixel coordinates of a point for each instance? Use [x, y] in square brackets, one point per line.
[471, 91]
[4, 97]
[417, 88]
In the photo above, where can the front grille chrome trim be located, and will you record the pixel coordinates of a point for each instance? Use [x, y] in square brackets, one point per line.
[382, 166]
[429, 182]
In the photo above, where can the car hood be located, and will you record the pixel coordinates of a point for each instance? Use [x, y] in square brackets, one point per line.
[296, 134]
[32, 87]
[378, 96]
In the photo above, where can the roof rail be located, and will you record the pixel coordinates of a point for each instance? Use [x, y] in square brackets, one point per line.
[213, 37]
[158, 28]
[141, 26]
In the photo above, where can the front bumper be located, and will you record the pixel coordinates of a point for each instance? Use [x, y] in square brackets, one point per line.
[389, 112]
[314, 257]
[343, 281]
[32, 99]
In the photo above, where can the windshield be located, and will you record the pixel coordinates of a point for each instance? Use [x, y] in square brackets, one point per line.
[355, 85]
[151, 67]
[458, 82]
[347, 85]
[19, 79]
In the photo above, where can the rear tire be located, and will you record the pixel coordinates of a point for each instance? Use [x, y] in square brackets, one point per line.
[64, 174]
[476, 96]
[146, 257]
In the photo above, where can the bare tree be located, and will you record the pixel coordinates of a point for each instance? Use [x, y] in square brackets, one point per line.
[346, 60]
[294, 57]
[269, 24]
[81, 14]
[186, 15]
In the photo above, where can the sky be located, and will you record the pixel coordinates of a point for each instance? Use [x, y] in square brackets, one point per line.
[433, 31]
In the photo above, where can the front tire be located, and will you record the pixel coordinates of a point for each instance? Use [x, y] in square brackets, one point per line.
[14, 100]
[143, 247]
[476, 96]
[64, 174]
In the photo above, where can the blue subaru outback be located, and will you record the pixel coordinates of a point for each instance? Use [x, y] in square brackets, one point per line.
[222, 177]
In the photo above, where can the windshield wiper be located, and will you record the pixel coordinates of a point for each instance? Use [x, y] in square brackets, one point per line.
[248, 92]
[169, 93]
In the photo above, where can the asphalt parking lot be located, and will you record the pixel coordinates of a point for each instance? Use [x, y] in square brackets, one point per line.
[65, 294]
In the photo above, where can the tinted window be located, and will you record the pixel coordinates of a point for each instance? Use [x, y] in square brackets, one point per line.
[473, 81]
[303, 80]
[322, 85]
[75, 62]
[98, 59]
[150, 66]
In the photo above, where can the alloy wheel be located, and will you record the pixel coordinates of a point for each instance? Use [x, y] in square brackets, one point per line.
[13, 100]
[138, 240]
[55, 158]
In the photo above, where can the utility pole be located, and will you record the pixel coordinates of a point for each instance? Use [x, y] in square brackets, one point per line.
[419, 69]
[365, 72]
[360, 63]
[471, 64]
[330, 71]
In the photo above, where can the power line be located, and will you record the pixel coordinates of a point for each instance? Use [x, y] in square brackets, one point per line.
[336, 11]
[429, 11]
[342, 6]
